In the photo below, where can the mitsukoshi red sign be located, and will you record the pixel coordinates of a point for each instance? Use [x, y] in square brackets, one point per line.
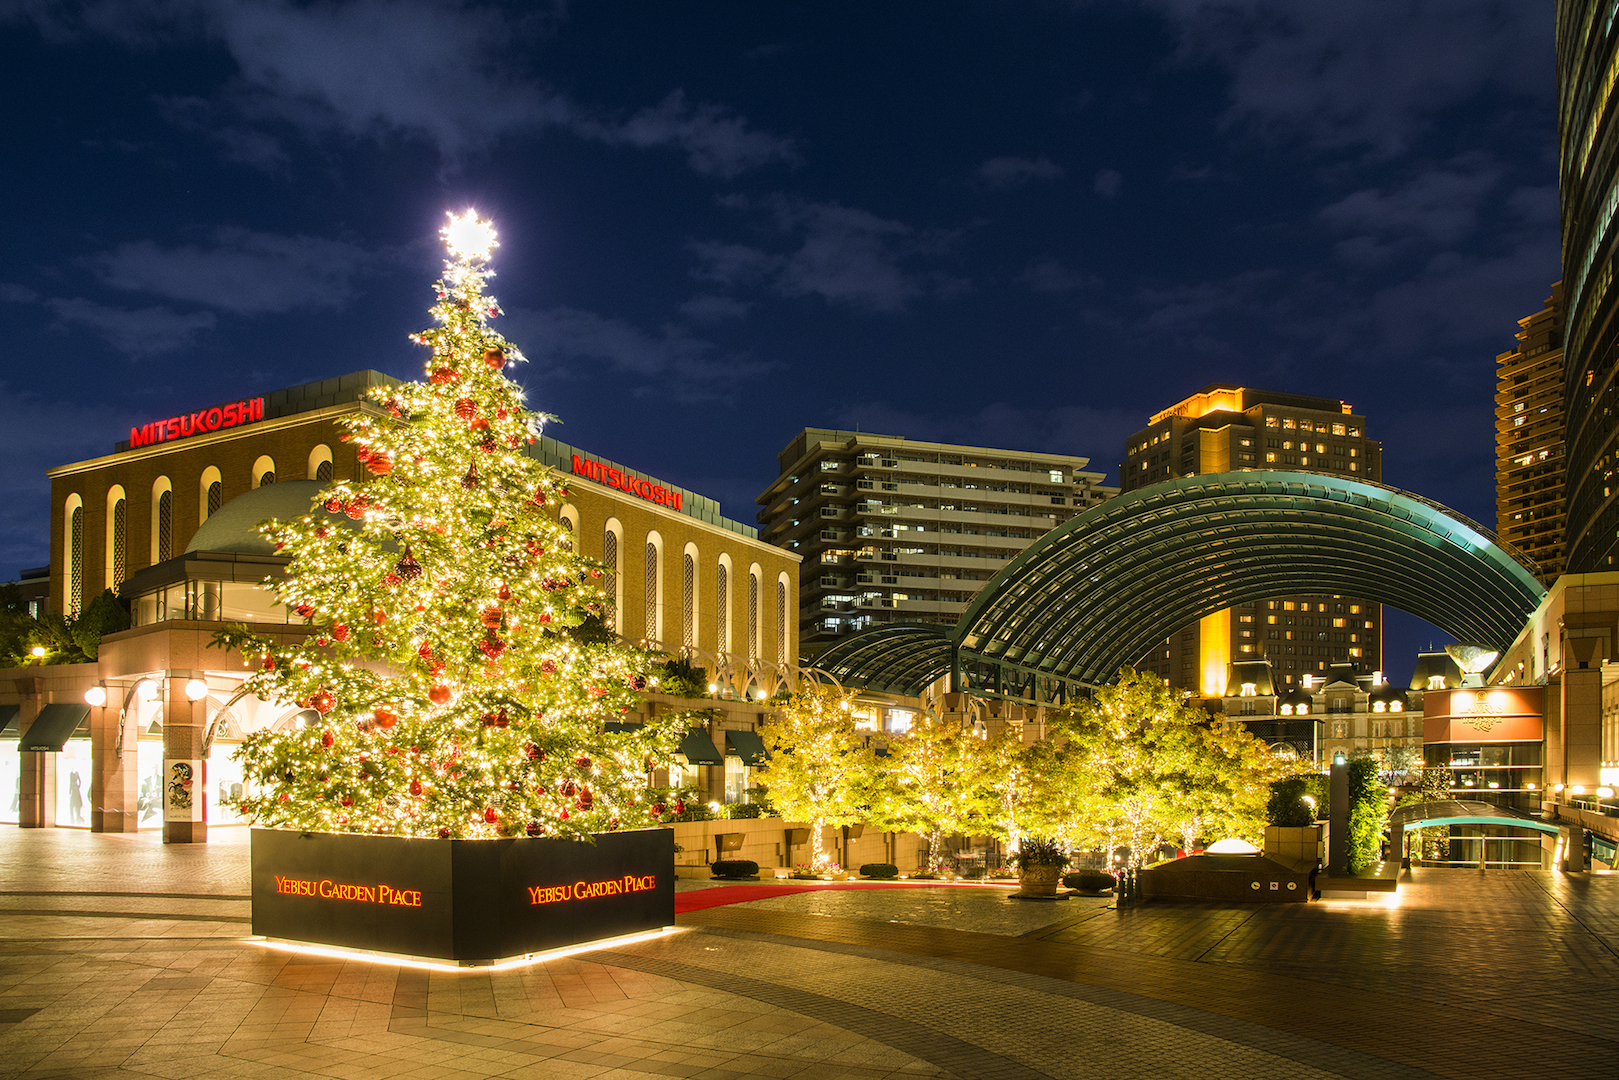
[203, 420]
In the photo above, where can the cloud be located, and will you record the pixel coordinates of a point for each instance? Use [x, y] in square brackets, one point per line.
[713, 308]
[838, 253]
[1370, 75]
[1440, 207]
[1012, 172]
[137, 332]
[716, 141]
[243, 272]
[455, 73]
[38, 434]
[570, 343]
[1107, 183]
[1077, 430]
[1050, 276]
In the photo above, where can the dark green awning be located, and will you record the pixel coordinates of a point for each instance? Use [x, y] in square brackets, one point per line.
[52, 727]
[699, 749]
[618, 726]
[8, 721]
[747, 746]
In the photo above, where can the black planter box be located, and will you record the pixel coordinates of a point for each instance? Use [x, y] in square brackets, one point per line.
[468, 901]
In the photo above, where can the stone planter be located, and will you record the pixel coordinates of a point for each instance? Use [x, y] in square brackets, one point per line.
[1039, 881]
[467, 901]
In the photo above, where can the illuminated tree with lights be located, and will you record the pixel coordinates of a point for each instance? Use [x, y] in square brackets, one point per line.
[818, 772]
[450, 691]
[1027, 793]
[937, 781]
[1150, 768]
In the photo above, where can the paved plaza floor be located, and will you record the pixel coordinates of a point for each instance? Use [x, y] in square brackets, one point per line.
[122, 957]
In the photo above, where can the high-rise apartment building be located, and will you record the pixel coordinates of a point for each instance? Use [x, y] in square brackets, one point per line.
[1529, 439]
[1224, 428]
[1588, 173]
[892, 530]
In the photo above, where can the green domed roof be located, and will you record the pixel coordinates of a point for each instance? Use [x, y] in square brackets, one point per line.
[235, 526]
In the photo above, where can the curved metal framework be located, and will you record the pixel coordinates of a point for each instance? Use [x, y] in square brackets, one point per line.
[1095, 593]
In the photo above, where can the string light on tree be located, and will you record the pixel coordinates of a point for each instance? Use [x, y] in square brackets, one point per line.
[452, 690]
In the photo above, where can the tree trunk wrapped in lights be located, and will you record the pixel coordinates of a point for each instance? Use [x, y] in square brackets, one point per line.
[938, 781]
[817, 773]
[449, 692]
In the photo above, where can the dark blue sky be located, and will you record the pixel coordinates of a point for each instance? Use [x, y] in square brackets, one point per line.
[1015, 224]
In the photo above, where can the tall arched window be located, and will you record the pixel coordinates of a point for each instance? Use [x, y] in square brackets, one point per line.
[569, 520]
[117, 546]
[651, 591]
[263, 471]
[320, 463]
[610, 585]
[753, 614]
[162, 521]
[722, 608]
[165, 526]
[781, 622]
[73, 541]
[688, 600]
[210, 493]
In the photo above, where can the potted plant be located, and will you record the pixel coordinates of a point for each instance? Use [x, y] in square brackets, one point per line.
[1039, 862]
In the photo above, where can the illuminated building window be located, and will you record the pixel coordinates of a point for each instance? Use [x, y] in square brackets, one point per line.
[1337, 429]
[165, 526]
[688, 600]
[216, 495]
[722, 610]
[610, 557]
[1436, 682]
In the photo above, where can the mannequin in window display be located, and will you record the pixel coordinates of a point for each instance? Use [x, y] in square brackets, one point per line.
[75, 799]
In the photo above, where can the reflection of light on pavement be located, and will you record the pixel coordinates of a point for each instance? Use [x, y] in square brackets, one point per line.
[392, 960]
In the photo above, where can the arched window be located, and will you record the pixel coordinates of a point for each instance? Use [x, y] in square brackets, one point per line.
[210, 494]
[73, 541]
[781, 622]
[162, 532]
[722, 607]
[688, 600]
[165, 526]
[263, 471]
[117, 546]
[753, 613]
[610, 585]
[320, 463]
[651, 631]
[569, 520]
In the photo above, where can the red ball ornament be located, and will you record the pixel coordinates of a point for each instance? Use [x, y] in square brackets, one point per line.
[680, 806]
[538, 498]
[425, 651]
[326, 739]
[466, 408]
[534, 828]
[479, 424]
[347, 802]
[494, 358]
[582, 762]
[323, 532]
[586, 799]
[268, 663]
[657, 808]
[334, 504]
[304, 610]
[442, 375]
[490, 816]
[380, 464]
[340, 632]
[323, 701]
[548, 667]
[385, 719]
[416, 787]
[355, 509]
[391, 579]
[444, 834]
[363, 453]
[439, 695]
[379, 616]
[490, 617]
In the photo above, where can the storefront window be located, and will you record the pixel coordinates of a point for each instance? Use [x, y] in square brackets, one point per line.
[225, 787]
[10, 782]
[73, 784]
[149, 803]
[736, 780]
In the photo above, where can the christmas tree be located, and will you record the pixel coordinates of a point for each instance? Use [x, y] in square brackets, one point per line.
[449, 688]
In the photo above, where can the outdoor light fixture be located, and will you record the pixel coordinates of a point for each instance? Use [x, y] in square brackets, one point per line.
[713, 688]
[1287, 710]
[1557, 787]
[196, 690]
[714, 807]
[1577, 789]
[1494, 785]
[1309, 800]
[37, 652]
[96, 696]
[1396, 705]
[1340, 758]
[1531, 785]
[147, 689]
[1604, 792]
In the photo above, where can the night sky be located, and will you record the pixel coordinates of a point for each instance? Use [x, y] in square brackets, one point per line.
[1022, 225]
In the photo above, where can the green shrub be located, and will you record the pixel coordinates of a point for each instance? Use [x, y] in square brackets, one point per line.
[737, 811]
[1368, 812]
[734, 868]
[879, 870]
[922, 873]
[1088, 880]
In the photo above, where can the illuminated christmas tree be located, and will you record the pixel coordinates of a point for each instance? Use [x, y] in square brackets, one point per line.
[449, 691]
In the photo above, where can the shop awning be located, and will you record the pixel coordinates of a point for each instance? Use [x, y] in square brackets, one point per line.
[747, 746]
[616, 726]
[8, 721]
[52, 727]
[699, 749]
